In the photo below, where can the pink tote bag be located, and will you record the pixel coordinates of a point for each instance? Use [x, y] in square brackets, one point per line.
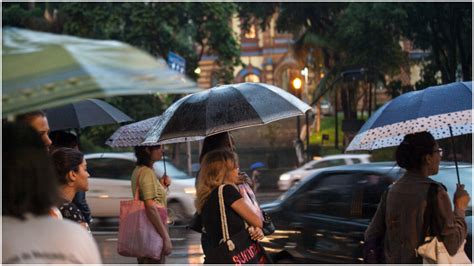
[137, 236]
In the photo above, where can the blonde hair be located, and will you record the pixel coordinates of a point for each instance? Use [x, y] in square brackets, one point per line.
[215, 167]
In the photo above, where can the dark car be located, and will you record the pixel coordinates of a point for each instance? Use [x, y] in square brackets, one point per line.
[324, 217]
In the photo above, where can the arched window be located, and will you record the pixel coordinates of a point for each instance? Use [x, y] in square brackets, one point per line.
[252, 78]
[252, 33]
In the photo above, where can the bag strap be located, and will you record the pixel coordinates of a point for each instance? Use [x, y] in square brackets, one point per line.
[224, 227]
[428, 228]
[138, 184]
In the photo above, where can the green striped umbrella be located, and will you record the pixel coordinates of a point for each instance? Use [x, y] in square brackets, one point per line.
[44, 70]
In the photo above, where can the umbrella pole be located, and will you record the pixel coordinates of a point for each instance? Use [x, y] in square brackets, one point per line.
[454, 153]
[78, 132]
[164, 159]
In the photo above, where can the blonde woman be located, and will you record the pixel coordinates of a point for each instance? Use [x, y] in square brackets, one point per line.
[221, 167]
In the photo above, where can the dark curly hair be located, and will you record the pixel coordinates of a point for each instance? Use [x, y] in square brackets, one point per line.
[222, 140]
[29, 180]
[143, 155]
[65, 160]
[414, 147]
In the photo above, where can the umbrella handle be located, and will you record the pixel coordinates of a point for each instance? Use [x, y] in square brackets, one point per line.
[454, 152]
[164, 161]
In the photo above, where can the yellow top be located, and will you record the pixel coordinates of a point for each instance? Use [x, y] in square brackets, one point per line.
[149, 187]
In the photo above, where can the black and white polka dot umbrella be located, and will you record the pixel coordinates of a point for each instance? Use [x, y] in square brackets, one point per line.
[224, 108]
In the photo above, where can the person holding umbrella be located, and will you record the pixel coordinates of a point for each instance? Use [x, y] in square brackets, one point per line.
[220, 167]
[224, 141]
[403, 215]
[153, 193]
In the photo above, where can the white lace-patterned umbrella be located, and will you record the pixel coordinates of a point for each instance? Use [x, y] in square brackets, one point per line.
[133, 134]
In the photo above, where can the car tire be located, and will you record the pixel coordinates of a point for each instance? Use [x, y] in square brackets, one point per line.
[176, 213]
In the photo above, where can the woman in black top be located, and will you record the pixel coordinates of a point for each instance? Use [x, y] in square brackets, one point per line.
[220, 167]
[71, 169]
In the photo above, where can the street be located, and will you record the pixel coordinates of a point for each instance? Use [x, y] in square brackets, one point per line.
[186, 243]
[186, 246]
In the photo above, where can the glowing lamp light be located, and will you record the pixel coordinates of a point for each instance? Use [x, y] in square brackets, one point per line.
[297, 83]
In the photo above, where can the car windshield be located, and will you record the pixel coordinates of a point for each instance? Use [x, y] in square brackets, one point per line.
[448, 177]
[171, 170]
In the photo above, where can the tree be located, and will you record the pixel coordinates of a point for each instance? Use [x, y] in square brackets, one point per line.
[189, 29]
[344, 36]
[445, 30]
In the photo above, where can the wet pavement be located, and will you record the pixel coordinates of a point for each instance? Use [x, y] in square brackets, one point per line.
[186, 243]
[186, 247]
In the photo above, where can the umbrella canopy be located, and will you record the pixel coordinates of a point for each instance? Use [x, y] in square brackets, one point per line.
[222, 109]
[43, 70]
[257, 165]
[434, 109]
[85, 113]
[132, 135]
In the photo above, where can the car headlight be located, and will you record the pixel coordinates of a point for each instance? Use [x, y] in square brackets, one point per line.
[285, 177]
[190, 190]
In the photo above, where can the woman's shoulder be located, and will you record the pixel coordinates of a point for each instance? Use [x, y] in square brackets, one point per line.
[50, 232]
[69, 210]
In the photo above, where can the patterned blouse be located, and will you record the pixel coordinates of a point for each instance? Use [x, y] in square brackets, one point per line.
[70, 211]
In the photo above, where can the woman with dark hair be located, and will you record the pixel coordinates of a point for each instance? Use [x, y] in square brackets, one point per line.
[71, 170]
[399, 219]
[64, 139]
[153, 193]
[29, 190]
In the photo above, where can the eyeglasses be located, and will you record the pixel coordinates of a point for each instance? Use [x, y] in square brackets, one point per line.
[440, 151]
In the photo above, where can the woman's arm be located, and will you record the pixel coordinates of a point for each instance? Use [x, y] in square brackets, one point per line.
[154, 216]
[452, 226]
[241, 207]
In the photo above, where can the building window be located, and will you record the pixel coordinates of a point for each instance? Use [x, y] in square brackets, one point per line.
[251, 33]
[252, 78]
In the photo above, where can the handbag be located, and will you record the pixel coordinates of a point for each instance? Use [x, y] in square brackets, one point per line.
[137, 237]
[432, 250]
[268, 227]
[238, 249]
[196, 223]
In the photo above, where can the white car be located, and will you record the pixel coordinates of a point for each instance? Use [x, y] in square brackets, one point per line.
[290, 178]
[109, 184]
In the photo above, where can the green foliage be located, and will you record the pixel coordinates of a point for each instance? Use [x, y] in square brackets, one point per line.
[368, 37]
[444, 29]
[188, 29]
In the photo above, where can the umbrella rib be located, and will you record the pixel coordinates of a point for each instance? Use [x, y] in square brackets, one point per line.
[207, 110]
[245, 98]
[76, 114]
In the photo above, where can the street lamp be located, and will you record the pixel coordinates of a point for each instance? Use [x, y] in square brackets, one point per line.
[305, 73]
[352, 75]
[297, 83]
